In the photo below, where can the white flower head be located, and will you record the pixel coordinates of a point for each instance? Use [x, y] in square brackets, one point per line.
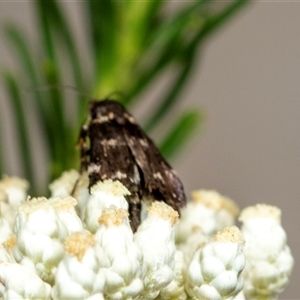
[103, 195]
[13, 191]
[78, 275]
[209, 211]
[196, 240]
[64, 185]
[175, 289]
[21, 282]
[155, 236]
[66, 213]
[124, 271]
[269, 260]
[41, 226]
[5, 230]
[16, 189]
[71, 182]
[215, 271]
[6, 249]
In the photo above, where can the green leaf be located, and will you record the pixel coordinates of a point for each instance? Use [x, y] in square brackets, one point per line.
[103, 30]
[23, 139]
[59, 26]
[52, 75]
[177, 26]
[164, 46]
[188, 56]
[214, 22]
[172, 95]
[176, 38]
[180, 133]
[152, 14]
[23, 52]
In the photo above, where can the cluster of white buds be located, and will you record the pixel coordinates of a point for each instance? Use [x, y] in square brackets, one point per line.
[103, 195]
[156, 238]
[269, 259]
[123, 257]
[82, 246]
[71, 184]
[215, 270]
[78, 275]
[41, 226]
[13, 191]
[207, 213]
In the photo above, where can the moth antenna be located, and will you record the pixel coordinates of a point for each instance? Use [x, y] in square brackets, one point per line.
[58, 86]
[115, 94]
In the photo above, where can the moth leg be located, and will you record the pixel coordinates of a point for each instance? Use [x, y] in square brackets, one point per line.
[84, 153]
[134, 215]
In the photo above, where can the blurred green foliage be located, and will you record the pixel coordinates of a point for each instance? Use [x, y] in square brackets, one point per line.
[130, 44]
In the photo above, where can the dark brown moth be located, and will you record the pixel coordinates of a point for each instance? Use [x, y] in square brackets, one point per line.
[119, 149]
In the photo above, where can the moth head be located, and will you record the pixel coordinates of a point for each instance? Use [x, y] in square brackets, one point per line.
[107, 109]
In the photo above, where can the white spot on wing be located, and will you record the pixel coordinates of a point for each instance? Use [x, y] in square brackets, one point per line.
[136, 176]
[120, 175]
[144, 143]
[129, 118]
[100, 119]
[111, 115]
[110, 142]
[157, 175]
[93, 168]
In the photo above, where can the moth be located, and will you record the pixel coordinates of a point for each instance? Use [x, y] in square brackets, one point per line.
[119, 149]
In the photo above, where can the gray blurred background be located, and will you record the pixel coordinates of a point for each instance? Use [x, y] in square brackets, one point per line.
[248, 84]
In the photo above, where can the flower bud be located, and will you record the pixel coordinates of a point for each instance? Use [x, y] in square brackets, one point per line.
[21, 282]
[41, 226]
[103, 195]
[78, 275]
[155, 236]
[269, 260]
[123, 272]
[215, 271]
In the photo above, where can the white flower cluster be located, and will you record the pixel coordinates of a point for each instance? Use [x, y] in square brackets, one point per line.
[269, 259]
[84, 248]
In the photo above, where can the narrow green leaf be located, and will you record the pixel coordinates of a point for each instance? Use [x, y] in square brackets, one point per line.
[166, 43]
[61, 138]
[169, 42]
[24, 54]
[188, 57]
[101, 15]
[176, 25]
[103, 27]
[59, 25]
[51, 72]
[175, 89]
[217, 20]
[152, 14]
[22, 132]
[172, 95]
[180, 133]
[144, 78]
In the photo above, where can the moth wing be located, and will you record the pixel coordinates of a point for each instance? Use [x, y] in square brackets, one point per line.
[111, 156]
[160, 181]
